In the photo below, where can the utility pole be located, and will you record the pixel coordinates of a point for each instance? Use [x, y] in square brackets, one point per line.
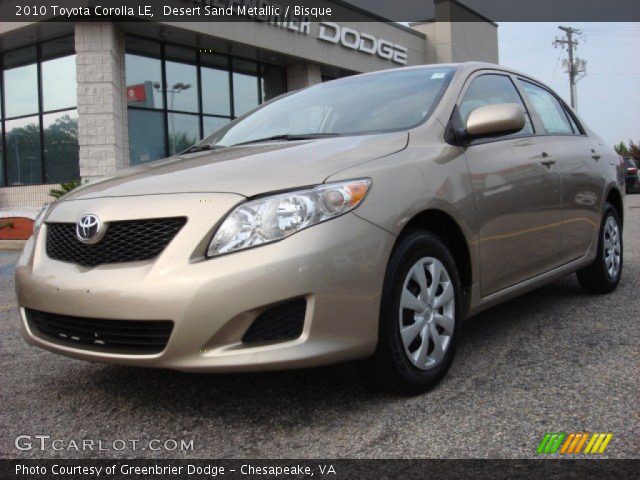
[573, 66]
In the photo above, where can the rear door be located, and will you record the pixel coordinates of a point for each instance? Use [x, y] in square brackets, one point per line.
[517, 192]
[578, 162]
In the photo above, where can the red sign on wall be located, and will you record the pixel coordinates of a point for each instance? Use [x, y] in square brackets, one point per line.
[136, 93]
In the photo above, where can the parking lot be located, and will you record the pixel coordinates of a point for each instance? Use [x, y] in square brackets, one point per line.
[554, 360]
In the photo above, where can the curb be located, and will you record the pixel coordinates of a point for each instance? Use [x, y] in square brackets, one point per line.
[12, 244]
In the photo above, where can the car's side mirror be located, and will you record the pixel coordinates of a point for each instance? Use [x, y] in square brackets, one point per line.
[501, 118]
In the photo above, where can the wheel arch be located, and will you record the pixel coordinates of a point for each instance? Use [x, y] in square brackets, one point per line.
[444, 226]
[614, 197]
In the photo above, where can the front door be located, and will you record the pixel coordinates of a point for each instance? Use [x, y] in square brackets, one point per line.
[517, 193]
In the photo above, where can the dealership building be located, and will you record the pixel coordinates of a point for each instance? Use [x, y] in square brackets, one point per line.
[85, 99]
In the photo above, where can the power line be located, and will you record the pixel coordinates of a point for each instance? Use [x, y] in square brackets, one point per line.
[616, 74]
[615, 29]
[627, 35]
[573, 66]
[555, 69]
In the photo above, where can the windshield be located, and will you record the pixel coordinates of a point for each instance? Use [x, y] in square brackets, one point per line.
[387, 101]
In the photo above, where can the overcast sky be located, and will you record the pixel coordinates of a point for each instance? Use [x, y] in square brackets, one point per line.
[609, 95]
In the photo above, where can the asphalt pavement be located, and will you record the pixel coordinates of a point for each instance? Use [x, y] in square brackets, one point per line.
[554, 360]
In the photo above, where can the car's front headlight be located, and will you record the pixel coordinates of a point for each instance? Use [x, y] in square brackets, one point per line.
[272, 218]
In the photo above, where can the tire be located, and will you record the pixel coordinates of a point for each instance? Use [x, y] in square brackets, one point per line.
[598, 278]
[395, 366]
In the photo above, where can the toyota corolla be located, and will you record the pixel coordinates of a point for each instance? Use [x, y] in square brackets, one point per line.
[359, 219]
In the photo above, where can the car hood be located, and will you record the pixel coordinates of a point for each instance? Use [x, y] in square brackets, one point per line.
[246, 170]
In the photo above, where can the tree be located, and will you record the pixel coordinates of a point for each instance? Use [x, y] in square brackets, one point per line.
[64, 188]
[61, 149]
[23, 154]
[632, 151]
[180, 141]
[622, 150]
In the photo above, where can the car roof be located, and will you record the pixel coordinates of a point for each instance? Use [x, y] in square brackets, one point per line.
[462, 68]
[465, 67]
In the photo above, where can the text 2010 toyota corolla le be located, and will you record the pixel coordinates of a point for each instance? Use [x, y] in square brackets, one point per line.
[363, 218]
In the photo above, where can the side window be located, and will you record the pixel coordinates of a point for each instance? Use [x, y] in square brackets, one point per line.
[552, 115]
[574, 124]
[492, 89]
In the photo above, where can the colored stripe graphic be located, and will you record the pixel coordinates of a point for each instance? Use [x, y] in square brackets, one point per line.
[550, 443]
[573, 443]
[581, 443]
[568, 443]
[598, 443]
[593, 440]
[605, 442]
[543, 443]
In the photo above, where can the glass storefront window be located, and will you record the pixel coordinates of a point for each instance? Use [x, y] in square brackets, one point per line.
[60, 146]
[40, 134]
[22, 83]
[142, 46]
[245, 93]
[175, 95]
[182, 87]
[146, 136]
[59, 83]
[241, 65]
[211, 124]
[246, 89]
[24, 155]
[1, 159]
[216, 95]
[272, 82]
[144, 81]
[20, 57]
[58, 47]
[197, 98]
[184, 131]
[180, 54]
[1, 149]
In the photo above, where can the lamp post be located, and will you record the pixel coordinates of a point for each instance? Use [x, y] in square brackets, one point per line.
[176, 88]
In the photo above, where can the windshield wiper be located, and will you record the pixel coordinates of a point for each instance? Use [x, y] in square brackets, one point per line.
[200, 148]
[289, 137]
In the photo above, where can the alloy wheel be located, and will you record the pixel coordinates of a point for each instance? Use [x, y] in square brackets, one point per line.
[612, 248]
[427, 313]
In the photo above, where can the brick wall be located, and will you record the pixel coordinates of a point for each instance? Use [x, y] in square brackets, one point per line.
[102, 124]
[25, 196]
[302, 76]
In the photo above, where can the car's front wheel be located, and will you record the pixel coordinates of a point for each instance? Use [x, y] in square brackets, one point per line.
[603, 275]
[419, 315]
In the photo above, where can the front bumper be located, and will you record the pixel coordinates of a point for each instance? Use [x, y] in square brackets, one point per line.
[338, 266]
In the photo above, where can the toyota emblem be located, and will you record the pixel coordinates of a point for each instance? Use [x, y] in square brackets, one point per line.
[89, 229]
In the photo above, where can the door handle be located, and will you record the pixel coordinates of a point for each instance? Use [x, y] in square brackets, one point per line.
[547, 160]
[596, 156]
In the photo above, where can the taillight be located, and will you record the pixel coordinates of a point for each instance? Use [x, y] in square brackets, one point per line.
[632, 170]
